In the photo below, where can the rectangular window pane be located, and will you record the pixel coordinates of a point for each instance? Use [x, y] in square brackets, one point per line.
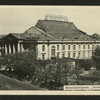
[74, 47]
[88, 46]
[79, 46]
[68, 47]
[83, 54]
[74, 55]
[53, 52]
[88, 54]
[63, 55]
[43, 57]
[83, 46]
[57, 47]
[79, 54]
[57, 54]
[68, 55]
[63, 47]
[93, 46]
[43, 48]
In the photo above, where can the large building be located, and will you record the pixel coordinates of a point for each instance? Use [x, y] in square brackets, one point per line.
[53, 37]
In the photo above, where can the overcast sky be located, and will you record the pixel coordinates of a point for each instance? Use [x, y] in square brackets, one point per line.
[17, 19]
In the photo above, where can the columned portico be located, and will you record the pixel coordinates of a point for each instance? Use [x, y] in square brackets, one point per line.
[13, 48]
[12, 44]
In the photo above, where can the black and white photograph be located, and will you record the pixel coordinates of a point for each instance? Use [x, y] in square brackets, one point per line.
[45, 49]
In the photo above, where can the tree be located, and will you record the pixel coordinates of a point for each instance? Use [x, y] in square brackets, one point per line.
[23, 64]
[85, 63]
[65, 72]
[76, 73]
[96, 57]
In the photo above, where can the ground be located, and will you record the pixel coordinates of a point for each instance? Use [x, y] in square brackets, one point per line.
[14, 84]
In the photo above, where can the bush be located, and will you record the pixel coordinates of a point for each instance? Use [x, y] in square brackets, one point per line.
[85, 63]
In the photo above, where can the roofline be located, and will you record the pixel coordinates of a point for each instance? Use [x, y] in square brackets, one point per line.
[55, 21]
[45, 33]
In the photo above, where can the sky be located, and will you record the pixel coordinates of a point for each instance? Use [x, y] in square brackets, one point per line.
[17, 19]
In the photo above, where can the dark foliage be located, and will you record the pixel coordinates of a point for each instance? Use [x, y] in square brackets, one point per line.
[96, 57]
[20, 65]
[85, 63]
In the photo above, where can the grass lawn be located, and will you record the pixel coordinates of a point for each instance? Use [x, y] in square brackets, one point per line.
[14, 84]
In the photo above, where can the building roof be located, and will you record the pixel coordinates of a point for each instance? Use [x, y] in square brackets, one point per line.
[32, 33]
[53, 30]
[37, 33]
[62, 29]
[18, 35]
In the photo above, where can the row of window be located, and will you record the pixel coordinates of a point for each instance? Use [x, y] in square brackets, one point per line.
[69, 55]
[69, 47]
[74, 55]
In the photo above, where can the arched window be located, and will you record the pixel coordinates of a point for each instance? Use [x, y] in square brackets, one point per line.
[53, 50]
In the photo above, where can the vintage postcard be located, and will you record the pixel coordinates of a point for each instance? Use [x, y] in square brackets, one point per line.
[49, 50]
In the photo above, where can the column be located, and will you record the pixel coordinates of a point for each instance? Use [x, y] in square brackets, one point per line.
[5, 49]
[13, 49]
[18, 47]
[48, 52]
[9, 48]
[22, 48]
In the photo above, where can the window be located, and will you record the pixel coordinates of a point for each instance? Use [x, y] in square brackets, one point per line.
[88, 46]
[63, 55]
[79, 46]
[79, 54]
[63, 47]
[88, 54]
[93, 46]
[58, 54]
[83, 46]
[53, 50]
[68, 47]
[73, 55]
[83, 54]
[43, 48]
[43, 57]
[68, 55]
[57, 47]
[74, 47]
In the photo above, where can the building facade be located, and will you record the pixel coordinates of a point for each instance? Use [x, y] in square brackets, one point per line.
[51, 38]
[66, 49]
